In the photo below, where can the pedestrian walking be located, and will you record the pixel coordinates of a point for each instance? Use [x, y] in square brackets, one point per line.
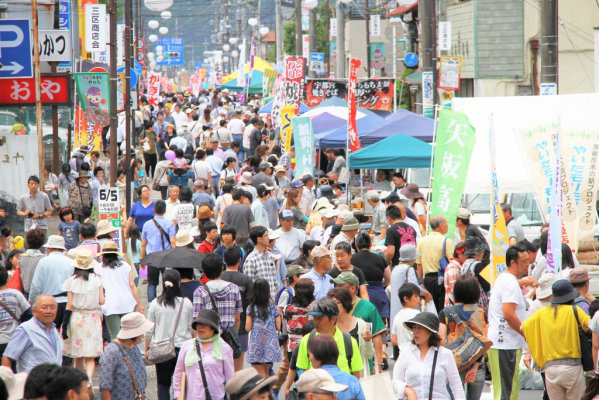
[205, 363]
[82, 322]
[263, 323]
[172, 315]
[122, 369]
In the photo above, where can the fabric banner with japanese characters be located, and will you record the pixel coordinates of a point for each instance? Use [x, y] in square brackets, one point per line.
[154, 79]
[303, 139]
[287, 115]
[453, 147]
[372, 94]
[91, 115]
[352, 131]
[294, 81]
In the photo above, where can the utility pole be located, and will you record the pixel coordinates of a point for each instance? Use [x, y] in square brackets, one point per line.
[426, 14]
[128, 120]
[312, 35]
[278, 32]
[340, 42]
[298, 27]
[53, 66]
[549, 44]
[367, 19]
[38, 95]
[113, 82]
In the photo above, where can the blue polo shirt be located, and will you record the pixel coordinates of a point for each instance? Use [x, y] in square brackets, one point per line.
[155, 239]
[322, 283]
[354, 390]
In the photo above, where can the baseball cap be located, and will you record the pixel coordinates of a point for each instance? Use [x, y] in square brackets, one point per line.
[347, 278]
[324, 306]
[273, 235]
[464, 213]
[294, 270]
[286, 214]
[320, 251]
[329, 213]
[265, 185]
[297, 183]
[279, 168]
[317, 380]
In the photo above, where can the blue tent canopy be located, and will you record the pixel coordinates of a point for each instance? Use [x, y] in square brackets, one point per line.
[397, 151]
[337, 138]
[402, 121]
[326, 122]
[267, 108]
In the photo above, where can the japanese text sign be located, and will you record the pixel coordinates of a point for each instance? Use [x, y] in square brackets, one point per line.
[95, 28]
[453, 148]
[449, 72]
[287, 115]
[55, 45]
[55, 89]
[372, 94]
[294, 81]
[352, 131]
[303, 139]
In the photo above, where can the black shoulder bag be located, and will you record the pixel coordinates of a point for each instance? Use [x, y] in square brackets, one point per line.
[202, 372]
[430, 389]
[229, 334]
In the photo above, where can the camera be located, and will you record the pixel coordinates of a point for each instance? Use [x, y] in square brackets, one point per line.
[30, 215]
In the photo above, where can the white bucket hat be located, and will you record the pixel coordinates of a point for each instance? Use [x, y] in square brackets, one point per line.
[55, 242]
[134, 325]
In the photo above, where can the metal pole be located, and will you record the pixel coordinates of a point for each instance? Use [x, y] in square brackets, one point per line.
[367, 19]
[596, 56]
[278, 31]
[426, 14]
[340, 42]
[113, 83]
[312, 33]
[53, 67]
[430, 178]
[38, 94]
[128, 126]
[298, 27]
[549, 43]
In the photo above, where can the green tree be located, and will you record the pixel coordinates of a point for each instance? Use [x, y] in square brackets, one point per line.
[323, 15]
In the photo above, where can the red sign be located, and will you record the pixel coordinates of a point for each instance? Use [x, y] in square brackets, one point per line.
[153, 88]
[294, 81]
[352, 130]
[56, 90]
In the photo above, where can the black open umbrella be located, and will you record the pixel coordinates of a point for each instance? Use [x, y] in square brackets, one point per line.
[177, 257]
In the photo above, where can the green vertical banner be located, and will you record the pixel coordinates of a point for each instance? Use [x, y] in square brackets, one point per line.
[454, 142]
[93, 91]
[303, 138]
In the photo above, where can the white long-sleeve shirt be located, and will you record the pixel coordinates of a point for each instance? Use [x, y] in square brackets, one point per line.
[414, 372]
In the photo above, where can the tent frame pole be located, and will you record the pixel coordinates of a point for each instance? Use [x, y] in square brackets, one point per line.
[430, 177]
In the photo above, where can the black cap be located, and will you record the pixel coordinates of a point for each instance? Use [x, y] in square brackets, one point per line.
[563, 292]
[425, 319]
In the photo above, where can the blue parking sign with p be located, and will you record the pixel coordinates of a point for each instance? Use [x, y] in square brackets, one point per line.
[15, 49]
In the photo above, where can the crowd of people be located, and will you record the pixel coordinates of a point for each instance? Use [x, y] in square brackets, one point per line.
[316, 297]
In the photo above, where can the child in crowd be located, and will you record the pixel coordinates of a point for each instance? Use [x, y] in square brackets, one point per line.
[286, 293]
[133, 248]
[211, 231]
[409, 295]
[69, 228]
[263, 322]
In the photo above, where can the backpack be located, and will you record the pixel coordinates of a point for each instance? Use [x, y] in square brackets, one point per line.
[349, 349]
[443, 262]
[280, 292]
[466, 343]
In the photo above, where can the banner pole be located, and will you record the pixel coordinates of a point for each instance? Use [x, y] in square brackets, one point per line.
[492, 208]
[430, 176]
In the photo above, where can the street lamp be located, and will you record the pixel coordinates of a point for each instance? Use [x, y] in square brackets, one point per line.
[153, 38]
[153, 24]
[263, 31]
[252, 22]
[234, 53]
[163, 30]
[226, 47]
[233, 40]
[158, 5]
[165, 15]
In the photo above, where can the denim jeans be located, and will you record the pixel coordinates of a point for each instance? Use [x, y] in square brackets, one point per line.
[151, 292]
[475, 389]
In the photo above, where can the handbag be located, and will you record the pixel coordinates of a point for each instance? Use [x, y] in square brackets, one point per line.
[378, 386]
[86, 211]
[586, 351]
[202, 372]
[156, 183]
[159, 352]
[136, 394]
[466, 344]
[229, 335]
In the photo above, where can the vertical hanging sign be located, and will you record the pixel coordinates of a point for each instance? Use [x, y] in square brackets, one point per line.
[95, 28]
[352, 131]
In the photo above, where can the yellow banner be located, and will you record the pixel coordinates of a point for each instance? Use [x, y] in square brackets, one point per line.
[499, 243]
[287, 114]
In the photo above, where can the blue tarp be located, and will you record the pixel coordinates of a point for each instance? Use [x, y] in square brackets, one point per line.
[406, 122]
[397, 151]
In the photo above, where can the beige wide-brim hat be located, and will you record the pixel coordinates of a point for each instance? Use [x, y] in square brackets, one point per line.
[246, 383]
[110, 248]
[104, 227]
[134, 325]
[183, 238]
[83, 259]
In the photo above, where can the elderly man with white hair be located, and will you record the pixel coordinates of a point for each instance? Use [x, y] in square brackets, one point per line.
[379, 220]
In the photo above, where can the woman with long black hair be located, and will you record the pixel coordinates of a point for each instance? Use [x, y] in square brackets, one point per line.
[170, 312]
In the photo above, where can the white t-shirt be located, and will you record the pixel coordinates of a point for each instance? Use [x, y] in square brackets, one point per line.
[236, 126]
[404, 336]
[170, 209]
[419, 209]
[184, 213]
[246, 136]
[316, 233]
[505, 290]
[290, 243]
[118, 296]
[202, 170]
